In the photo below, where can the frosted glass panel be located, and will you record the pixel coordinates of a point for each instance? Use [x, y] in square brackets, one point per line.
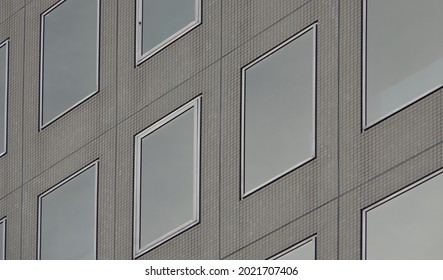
[279, 97]
[408, 226]
[70, 56]
[68, 218]
[404, 53]
[167, 187]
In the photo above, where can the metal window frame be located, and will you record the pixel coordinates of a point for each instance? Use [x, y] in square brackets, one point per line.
[139, 249]
[41, 88]
[313, 28]
[296, 246]
[6, 89]
[60, 184]
[365, 211]
[3, 240]
[140, 57]
[364, 119]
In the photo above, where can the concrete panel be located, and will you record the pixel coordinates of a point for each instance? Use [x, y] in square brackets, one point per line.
[308, 186]
[389, 182]
[11, 162]
[320, 222]
[10, 207]
[242, 20]
[84, 122]
[139, 86]
[200, 241]
[9, 8]
[366, 154]
[101, 149]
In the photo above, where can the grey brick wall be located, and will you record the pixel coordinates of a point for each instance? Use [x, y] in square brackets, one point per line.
[352, 168]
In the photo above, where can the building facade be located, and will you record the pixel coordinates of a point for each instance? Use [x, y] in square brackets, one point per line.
[204, 81]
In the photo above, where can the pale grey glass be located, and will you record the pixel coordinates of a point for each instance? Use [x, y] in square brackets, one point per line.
[304, 252]
[167, 178]
[2, 239]
[163, 19]
[3, 96]
[70, 56]
[279, 112]
[409, 226]
[404, 53]
[68, 215]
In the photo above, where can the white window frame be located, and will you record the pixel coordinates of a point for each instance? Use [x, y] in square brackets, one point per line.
[312, 27]
[40, 198]
[364, 120]
[140, 57]
[296, 246]
[97, 84]
[3, 241]
[365, 211]
[196, 104]
[5, 146]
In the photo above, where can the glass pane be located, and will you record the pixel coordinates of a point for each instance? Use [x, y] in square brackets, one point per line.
[408, 226]
[167, 179]
[279, 112]
[2, 239]
[3, 95]
[164, 18]
[404, 53]
[68, 219]
[69, 56]
[303, 252]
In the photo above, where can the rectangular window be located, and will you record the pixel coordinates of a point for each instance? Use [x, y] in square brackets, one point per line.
[68, 218]
[161, 22]
[167, 164]
[278, 99]
[4, 50]
[304, 250]
[406, 225]
[3, 239]
[69, 57]
[402, 55]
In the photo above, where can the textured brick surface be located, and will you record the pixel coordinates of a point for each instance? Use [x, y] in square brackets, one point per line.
[11, 162]
[172, 66]
[352, 168]
[305, 188]
[83, 123]
[101, 149]
[9, 8]
[201, 241]
[10, 208]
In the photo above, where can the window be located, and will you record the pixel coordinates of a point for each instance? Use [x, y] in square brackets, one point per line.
[3, 96]
[403, 58]
[407, 224]
[3, 239]
[304, 250]
[167, 178]
[67, 218]
[278, 97]
[69, 57]
[160, 22]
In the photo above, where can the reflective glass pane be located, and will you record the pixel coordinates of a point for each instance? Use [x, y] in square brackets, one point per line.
[279, 96]
[2, 239]
[168, 183]
[303, 252]
[163, 19]
[404, 53]
[68, 218]
[3, 95]
[408, 226]
[70, 56]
